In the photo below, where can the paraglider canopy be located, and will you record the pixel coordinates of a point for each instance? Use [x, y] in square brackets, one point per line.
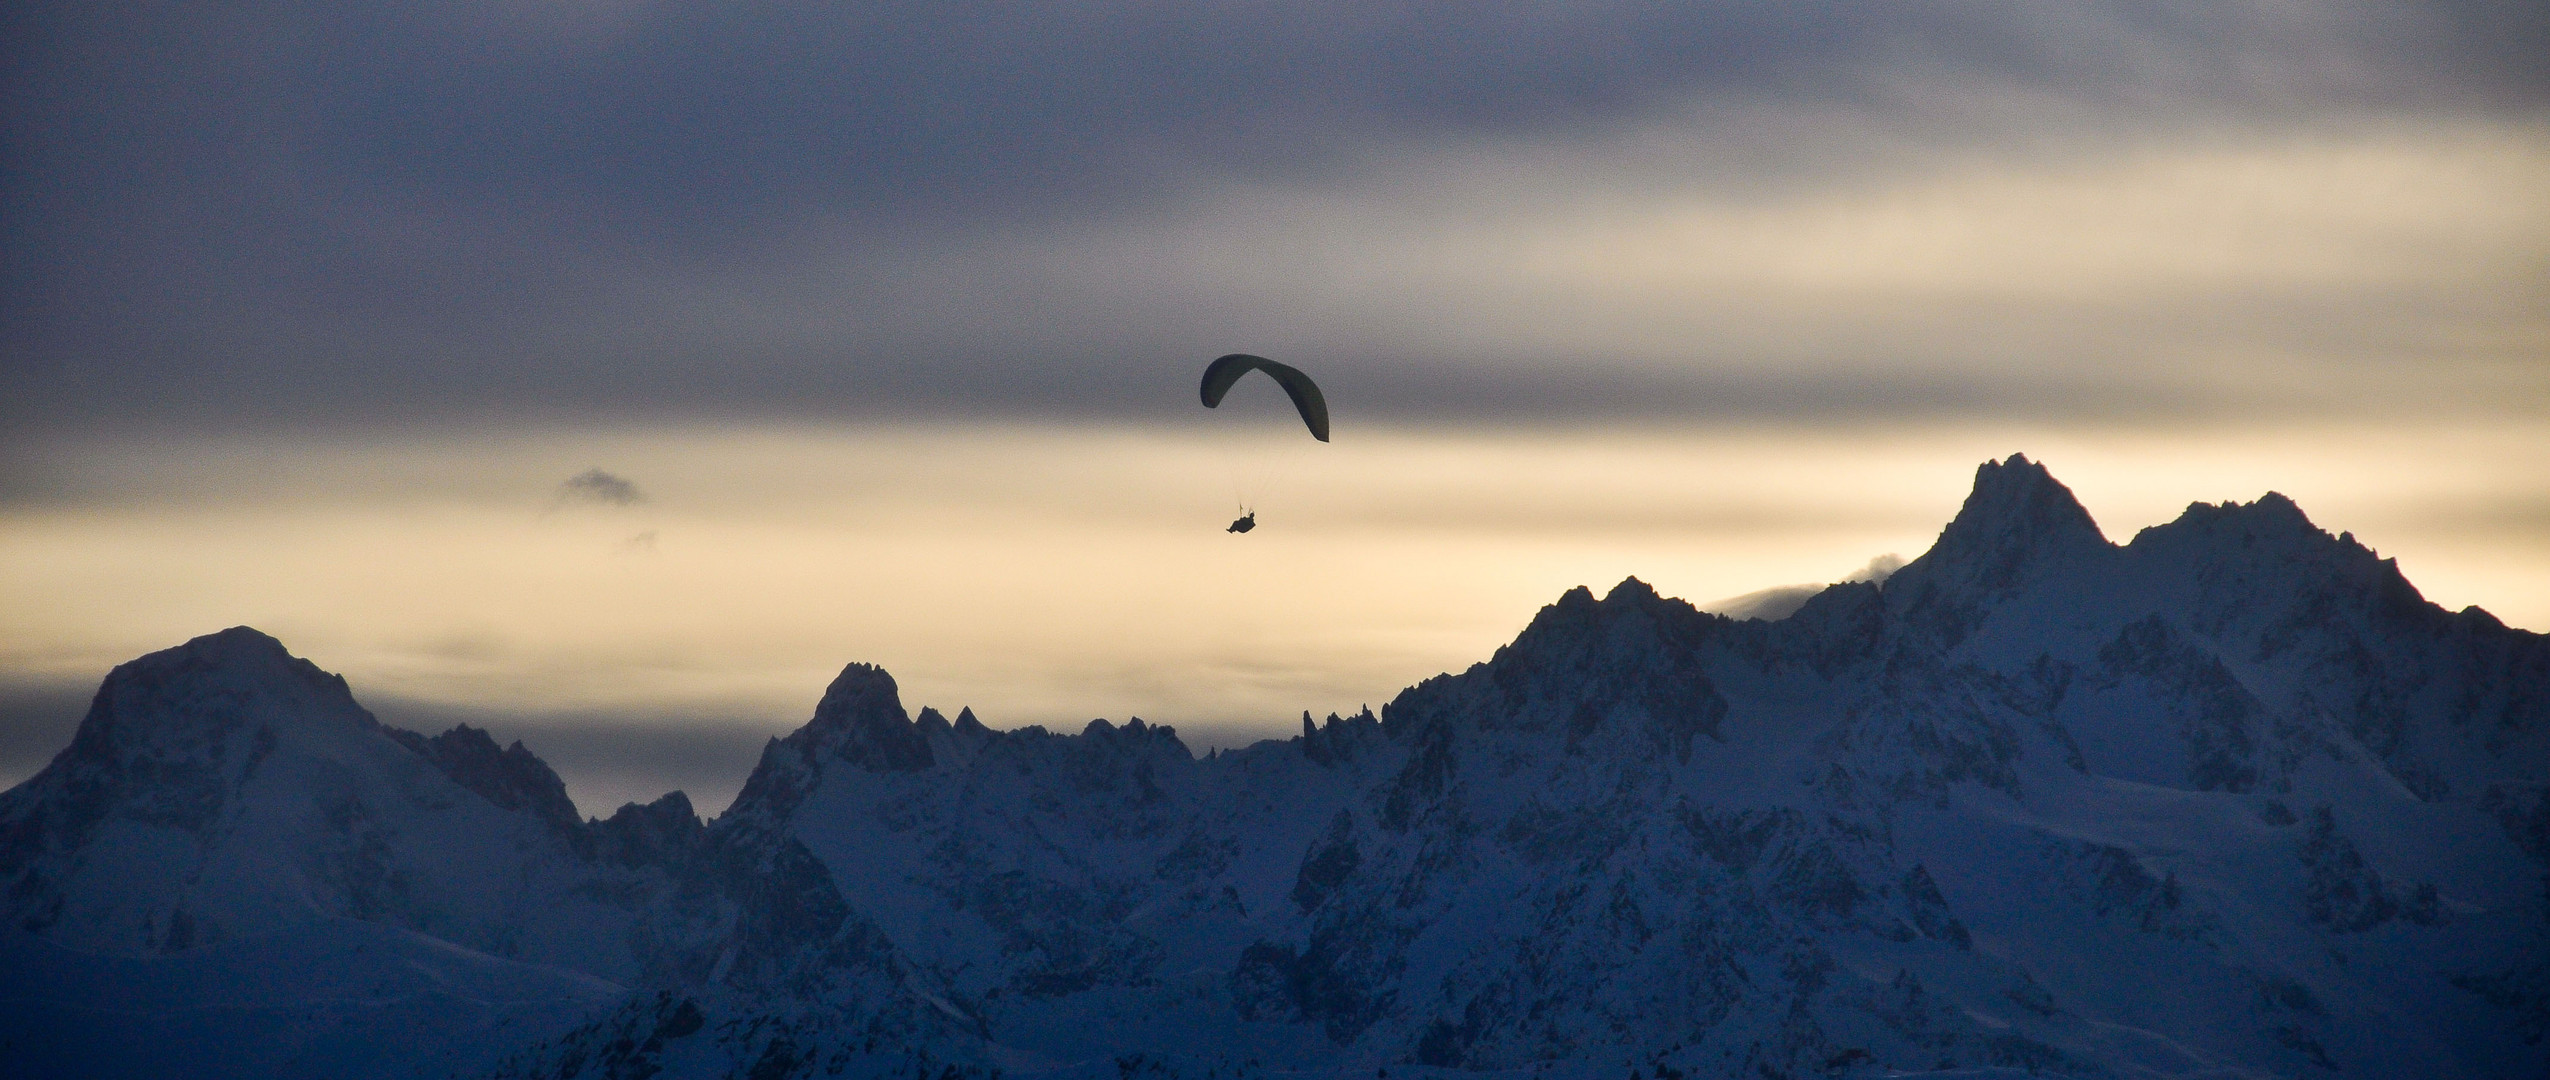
[1220, 374]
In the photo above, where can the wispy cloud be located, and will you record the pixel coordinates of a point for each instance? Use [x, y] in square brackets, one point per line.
[1878, 569]
[1781, 601]
[596, 486]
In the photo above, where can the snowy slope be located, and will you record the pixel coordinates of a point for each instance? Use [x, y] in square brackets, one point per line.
[225, 788]
[330, 999]
[2228, 800]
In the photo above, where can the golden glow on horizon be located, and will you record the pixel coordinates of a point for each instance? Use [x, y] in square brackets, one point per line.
[2394, 261]
[1053, 575]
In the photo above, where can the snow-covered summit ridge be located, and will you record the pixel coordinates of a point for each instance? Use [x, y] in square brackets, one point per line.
[217, 684]
[182, 710]
[170, 738]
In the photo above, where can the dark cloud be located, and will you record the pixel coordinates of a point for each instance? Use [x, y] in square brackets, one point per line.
[596, 486]
[283, 214]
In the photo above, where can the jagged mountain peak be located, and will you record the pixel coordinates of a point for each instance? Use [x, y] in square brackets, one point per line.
[1577, 623]
[2271, 517]
[2273, 527]
[2249, 560]
[861, 720]
[2016, 515]
[1632, 591]
[1134, 736]
[1577, 629]
[2018, 525]
[1578, 605]
[1566, 673]
[859, 692]
[656, 833]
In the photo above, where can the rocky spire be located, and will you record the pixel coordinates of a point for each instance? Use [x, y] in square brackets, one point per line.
[2017, 516]
[2016, 525]
[859, 721]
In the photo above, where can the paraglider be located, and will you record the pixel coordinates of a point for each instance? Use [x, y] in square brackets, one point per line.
[1307, 400]
[1220, 374]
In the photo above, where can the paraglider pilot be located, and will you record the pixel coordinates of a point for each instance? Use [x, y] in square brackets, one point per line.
[1307, 400]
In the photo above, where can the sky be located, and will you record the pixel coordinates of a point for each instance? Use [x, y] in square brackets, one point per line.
[608, 373]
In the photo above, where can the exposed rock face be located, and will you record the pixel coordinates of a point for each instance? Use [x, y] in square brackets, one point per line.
[512, 778]
[2228, 800]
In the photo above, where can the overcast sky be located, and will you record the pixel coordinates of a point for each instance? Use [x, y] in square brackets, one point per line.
[387, 282]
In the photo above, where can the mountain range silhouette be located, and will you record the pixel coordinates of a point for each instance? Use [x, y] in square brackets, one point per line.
[2229, 800]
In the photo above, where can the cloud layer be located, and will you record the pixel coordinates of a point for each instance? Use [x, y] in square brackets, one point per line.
[507, 209]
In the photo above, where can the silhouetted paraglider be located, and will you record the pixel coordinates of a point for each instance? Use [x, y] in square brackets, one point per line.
[1220, 374]
[1307, 400]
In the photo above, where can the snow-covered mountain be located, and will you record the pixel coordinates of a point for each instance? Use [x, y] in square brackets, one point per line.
[225, 789]
[2228, 800]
